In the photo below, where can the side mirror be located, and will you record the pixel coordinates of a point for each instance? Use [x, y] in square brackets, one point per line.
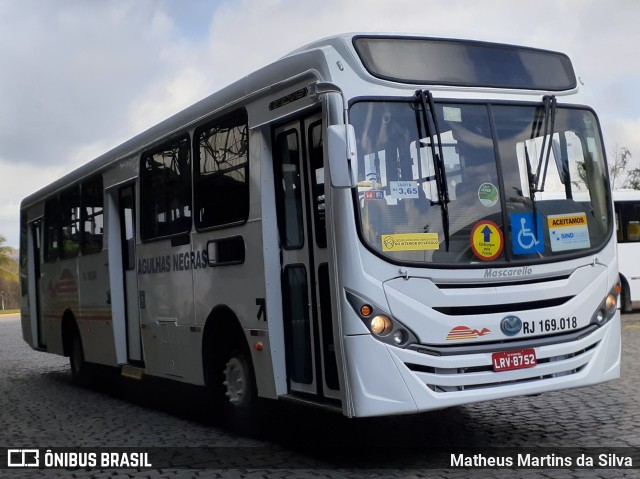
[343, 161]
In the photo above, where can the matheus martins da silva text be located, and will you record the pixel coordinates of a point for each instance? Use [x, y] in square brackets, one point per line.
[548, 460]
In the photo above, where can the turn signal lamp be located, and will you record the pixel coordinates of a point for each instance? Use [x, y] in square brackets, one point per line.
[366, 310]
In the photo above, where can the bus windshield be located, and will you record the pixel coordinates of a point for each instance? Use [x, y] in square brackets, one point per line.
[468, 183]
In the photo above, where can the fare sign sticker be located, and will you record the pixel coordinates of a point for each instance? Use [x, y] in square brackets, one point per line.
[404, 189]
[487, 240]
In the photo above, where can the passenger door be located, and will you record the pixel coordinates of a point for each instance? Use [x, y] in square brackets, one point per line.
[34, 239]
[126, 214]
[300, 202]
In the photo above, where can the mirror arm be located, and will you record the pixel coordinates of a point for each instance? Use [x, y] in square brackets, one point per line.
[322, 87]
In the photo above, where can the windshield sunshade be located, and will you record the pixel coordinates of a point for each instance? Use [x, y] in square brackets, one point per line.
[465, 63]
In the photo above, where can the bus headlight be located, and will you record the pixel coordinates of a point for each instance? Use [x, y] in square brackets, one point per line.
[382, 325]
[608, 307]
[611, 302]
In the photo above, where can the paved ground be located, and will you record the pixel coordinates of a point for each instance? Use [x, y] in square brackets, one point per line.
[39, 407]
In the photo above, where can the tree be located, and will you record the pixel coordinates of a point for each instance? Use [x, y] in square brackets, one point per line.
[5, 254]
[620, 176]
[9, 284]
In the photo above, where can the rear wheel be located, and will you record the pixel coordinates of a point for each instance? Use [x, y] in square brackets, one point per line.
[76, 359]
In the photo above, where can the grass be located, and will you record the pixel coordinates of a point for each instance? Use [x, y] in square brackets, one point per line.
[9, 311]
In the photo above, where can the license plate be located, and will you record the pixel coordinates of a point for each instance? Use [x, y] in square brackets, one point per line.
[508, 360]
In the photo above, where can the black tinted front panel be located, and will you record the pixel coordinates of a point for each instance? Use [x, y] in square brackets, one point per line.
[429, 61]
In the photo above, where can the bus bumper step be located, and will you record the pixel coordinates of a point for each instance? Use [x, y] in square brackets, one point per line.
[132, 372]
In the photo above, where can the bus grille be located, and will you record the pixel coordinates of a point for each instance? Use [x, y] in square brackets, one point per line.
[446, 380]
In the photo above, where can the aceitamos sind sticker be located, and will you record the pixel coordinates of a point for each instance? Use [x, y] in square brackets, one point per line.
[568, 231]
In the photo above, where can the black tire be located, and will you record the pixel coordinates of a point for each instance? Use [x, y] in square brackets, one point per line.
[231, 385]
[625, 299]
[78, 365]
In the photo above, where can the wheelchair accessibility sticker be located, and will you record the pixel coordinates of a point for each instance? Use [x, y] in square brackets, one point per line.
[526, 238]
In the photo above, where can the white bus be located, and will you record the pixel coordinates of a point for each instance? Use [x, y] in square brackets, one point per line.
[360, 225]
[627, 211]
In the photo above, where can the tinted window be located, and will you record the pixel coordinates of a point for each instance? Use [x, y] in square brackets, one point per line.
[165, 190]
[317, 179]
[70, 223]
[465, 63]
[221, 171]
[92, 216]
[51, 230]
[628, 221]
[289, 190]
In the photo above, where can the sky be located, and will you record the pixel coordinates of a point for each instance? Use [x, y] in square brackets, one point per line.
[79, 77]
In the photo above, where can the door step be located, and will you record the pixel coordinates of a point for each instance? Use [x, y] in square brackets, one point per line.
[132, 372]
[323, 403]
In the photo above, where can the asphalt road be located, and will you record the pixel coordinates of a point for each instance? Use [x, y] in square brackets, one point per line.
[40, 407]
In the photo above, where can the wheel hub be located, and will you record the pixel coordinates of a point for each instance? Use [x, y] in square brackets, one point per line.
[236, 382]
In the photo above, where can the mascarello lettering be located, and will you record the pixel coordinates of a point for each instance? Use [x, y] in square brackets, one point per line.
[507, 273]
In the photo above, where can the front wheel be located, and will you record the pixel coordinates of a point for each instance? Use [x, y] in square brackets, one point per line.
[231, 385]
[238, 382]
[625, 299]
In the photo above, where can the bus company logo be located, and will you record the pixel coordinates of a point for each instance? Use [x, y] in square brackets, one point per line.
[507, 273]
[463, 332]
[511, 325]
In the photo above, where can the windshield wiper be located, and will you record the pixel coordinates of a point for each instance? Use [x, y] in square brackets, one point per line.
[532, 190]
[549, 118]
[550, 107]
[428, 110]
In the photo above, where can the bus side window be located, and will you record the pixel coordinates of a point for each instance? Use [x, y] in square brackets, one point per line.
[627, 221]
[221, 171]
[316, 161]
[165, 190]
[70, 222]
[92, 216]
[51, 230]
[633, 231]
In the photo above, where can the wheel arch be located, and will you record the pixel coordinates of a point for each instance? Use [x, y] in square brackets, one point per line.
[625, 295]
[222, 331]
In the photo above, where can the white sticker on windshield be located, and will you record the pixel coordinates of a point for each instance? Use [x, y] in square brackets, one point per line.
[452, 113]
[569, 231]
[404, 189]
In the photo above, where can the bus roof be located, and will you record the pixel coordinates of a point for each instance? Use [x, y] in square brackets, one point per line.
[311, 63]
